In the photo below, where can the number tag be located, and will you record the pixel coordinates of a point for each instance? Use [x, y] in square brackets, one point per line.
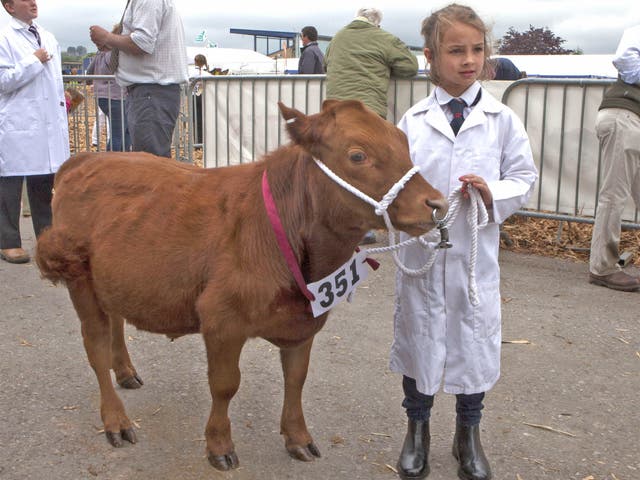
[335, 287]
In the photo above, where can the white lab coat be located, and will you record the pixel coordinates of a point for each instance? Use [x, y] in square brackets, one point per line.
[439, 336]
[34, 136]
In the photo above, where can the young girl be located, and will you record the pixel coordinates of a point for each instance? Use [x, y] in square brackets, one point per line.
[440, 335]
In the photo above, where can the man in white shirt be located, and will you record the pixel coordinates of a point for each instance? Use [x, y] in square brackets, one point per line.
[152, 66]
[618, 129]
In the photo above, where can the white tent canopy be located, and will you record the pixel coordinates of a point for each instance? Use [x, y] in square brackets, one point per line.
[589, 66]
[243, 61]
[565, 66]
[237, 60]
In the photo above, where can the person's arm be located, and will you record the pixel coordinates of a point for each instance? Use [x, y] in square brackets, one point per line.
[305, 64]
[627, 58]
[402, 62]
[518, 172]
[319, 62]
[14, 75]
[103, 38]
[325, 63]
[92, 66]
[146, 18]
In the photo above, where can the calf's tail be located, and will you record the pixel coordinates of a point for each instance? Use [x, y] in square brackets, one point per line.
[60, 257]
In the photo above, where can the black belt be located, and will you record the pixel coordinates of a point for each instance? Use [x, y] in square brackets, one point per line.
[134, 85]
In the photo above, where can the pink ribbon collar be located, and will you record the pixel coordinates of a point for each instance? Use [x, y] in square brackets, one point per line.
[283, 241]
[281, 237]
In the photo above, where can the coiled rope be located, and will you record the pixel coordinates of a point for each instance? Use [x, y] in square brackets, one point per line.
[477, 217]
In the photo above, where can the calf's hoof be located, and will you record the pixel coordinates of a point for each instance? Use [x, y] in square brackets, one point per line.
[116, 438]
[224, 462]
[305, 454]
[131, 383]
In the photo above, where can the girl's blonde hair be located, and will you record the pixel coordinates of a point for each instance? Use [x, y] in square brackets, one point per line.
[436, 24]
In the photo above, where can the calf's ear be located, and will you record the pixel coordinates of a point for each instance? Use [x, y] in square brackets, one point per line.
[289, 114]
[329, 104]
[298, 124]
[307, 130]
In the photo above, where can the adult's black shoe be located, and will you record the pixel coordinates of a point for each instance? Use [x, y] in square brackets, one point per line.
[467, 449]
[414, 457]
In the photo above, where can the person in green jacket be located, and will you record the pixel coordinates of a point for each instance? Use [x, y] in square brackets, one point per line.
[360, 60]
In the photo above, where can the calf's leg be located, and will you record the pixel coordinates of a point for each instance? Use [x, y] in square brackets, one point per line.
[223, 357]
[126, 374]
[298, 440]
[96, 334]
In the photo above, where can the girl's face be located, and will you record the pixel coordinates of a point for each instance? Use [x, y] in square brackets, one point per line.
[460, 57]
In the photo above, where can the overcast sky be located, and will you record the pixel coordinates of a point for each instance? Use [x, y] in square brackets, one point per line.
[594, 26]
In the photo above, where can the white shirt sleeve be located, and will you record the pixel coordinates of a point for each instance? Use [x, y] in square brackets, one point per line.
[627, 57]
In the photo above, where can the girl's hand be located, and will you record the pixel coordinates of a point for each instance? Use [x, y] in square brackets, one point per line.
[479, 184]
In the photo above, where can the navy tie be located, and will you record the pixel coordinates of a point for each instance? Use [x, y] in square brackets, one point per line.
[457, 108]
[33, 30]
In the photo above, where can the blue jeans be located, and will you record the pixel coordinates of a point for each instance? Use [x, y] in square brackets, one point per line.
[117, 125]
[418, 405]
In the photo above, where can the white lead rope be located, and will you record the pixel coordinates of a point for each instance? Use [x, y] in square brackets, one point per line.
[477, 217]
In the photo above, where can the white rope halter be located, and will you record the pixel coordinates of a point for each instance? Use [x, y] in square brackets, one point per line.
[477, 217]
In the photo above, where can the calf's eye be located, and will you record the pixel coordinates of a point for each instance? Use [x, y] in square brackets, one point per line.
[357, 156]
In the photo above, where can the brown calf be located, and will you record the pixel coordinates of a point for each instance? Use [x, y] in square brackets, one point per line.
[176, 249]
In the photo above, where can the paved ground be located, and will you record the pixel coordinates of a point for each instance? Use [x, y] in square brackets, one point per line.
[579, 375]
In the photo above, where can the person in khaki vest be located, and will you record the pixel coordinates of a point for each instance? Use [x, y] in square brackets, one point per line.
[618, 129]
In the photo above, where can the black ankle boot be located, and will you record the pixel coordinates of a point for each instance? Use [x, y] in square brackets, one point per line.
[467, 449]
[414, 457]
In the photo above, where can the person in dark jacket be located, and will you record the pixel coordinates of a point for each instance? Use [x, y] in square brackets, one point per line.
[618, 129]
[311, 57]
[505, 69]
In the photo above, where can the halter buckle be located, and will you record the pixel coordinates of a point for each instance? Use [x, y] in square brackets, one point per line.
[441, 224]
[444, 237]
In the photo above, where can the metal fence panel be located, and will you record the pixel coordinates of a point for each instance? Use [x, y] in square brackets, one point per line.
[560, 117]
[241, 122]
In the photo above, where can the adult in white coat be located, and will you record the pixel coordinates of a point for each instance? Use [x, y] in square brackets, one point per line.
[34, 138]
[459, 136]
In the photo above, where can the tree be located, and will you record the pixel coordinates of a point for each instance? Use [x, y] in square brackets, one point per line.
[535, 41]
